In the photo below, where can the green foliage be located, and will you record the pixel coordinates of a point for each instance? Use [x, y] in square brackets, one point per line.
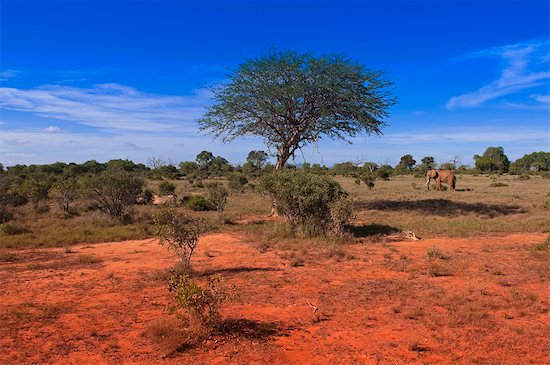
[305, 200]
[199, 203]
[536, 161]
[216, 194]
[547, 202]
[66, 189]
[282, 86]
[406, 164]
[114, 190]
[36, 187]
[9, 196]
[368, 178]
[196, 304]
[179, 232]
[188, 167]
[428, 162]
[341, 212]
[204, 159]
[255, 161]
[384, 172]
[492, 160]
[497, 184]
[237, 181]
[344, 169]
[8, 229]
[167, 188]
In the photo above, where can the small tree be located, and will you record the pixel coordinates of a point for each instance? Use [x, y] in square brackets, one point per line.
[406, 164]
[217, 196]
[36, 187]
[66, 189]
[492, 160]
[114, 190]
[256, 160]
[368, 178]
[179, 232]
[204, 159]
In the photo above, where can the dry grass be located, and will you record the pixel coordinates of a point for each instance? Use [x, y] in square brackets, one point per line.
[395, 205]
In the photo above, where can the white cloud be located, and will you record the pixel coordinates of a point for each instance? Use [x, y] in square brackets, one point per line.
[524, 68]
[541, 98]
[108, 106]
[8, 74]
[51, 129]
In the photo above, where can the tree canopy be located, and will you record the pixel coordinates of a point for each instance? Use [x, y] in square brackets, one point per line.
[292, 99]
[492, 160]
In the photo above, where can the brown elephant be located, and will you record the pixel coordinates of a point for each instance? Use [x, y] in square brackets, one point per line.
[441, 176]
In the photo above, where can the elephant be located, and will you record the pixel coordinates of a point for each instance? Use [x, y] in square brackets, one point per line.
[441, 176]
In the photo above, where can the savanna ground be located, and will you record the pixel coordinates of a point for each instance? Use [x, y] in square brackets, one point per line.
[473, 290]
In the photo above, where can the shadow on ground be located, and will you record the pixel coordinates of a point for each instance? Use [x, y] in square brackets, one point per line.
[442, 207]
[250, 329]
[373, 229]
[236, 270]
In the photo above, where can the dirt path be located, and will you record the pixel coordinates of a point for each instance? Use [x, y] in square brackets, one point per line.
[486, 301]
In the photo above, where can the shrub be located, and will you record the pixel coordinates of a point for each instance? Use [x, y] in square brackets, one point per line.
[305, 200]
[199, 305]
[114, 190]
[199, 203]
[179, 231]
[217, 196]
[547, 202]
[497, 184]
[167, 188]
[66, 190]
[434, 252]
[36, 187]
[368, 178]
[341, 212]
[12, 229]
[237, 181]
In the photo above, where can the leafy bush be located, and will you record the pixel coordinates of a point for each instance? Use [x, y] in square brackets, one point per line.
[114, 190]
[435, 253]
[305, 200]
[237, 181]
[199, 203]
[166, 188]
[547, 202]
[12, 229]
[341, 212]
[36, 187]
[199, 305]
[179, 231]
[66, 189]
[368, 178]
[497, 184]
[217, 196]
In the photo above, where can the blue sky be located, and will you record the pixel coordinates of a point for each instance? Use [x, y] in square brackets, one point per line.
[85, 80]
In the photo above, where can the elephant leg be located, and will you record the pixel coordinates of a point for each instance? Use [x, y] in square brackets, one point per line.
[438, 184]
[428, 183]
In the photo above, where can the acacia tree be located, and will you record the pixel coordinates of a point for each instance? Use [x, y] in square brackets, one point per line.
[293, 99]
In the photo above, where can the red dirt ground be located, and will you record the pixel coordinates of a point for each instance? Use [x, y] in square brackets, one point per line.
[380, 303]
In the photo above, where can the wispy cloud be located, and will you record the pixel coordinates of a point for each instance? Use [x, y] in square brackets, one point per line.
[525, 67]
[108, 106]
[8, 74]
[51, 129]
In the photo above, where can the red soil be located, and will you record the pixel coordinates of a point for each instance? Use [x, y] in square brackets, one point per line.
[378, 304]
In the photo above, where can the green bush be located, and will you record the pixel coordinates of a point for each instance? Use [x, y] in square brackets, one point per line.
[237, 181]
[199, 203]
[305, 200]
[12, 229]
[179, 232]
[217, 196]
[166, 188]
[547, 202]
[114, 190]
[198, 305]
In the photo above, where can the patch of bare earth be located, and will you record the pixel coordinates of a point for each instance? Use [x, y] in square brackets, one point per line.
[483, 300]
